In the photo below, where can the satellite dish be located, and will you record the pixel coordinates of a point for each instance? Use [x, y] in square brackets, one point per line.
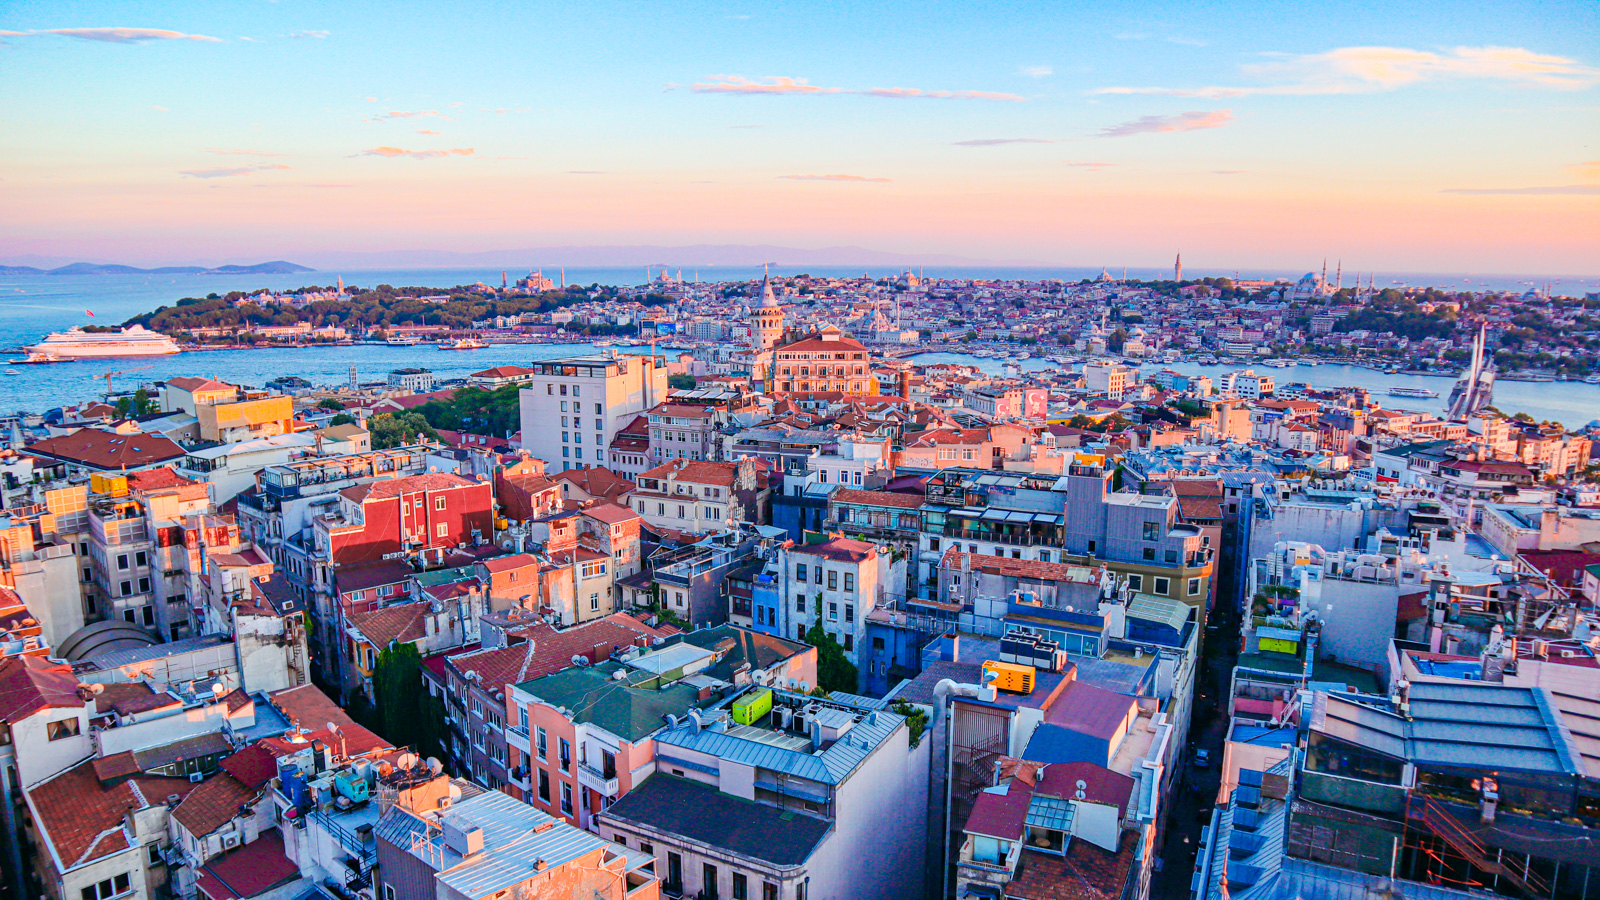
[434, 765]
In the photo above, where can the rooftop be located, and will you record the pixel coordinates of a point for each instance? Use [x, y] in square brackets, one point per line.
[707, 816]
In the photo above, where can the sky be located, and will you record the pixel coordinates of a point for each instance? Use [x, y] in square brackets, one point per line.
[1423, 136]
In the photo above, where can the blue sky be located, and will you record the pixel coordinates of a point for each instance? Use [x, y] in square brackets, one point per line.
[1428, 136]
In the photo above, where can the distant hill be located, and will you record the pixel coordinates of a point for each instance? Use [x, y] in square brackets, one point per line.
[276, 267]
[646, 254]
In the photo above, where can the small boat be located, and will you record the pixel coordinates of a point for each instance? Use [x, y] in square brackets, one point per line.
[401, 340]
[38, 359]
[12, 372]
[463, 344]
[1592, 379]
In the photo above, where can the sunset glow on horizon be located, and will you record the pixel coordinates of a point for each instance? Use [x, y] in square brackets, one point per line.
[1438, 139]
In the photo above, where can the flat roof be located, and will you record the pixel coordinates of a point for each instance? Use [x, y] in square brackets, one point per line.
[707, 816]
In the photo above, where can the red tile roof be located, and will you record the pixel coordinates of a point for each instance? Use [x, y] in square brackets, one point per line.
[512, 561]
[502, 372]
[1086, 872]
[157, 479]
[1100, 784]
[1020, 568]
[878, 498]
[401, 622]
[249, 871]
[82, 820]
[840, 550]
[252, 766]
[213, 804]
[106, 450]
[131, 698]
[308, 707]
[1000, 815]
[394, 487]
[598, 482]
[30, 684]
[191, 384]
[611, 513]
[695, 471]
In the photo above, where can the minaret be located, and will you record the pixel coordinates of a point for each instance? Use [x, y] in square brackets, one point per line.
[341, 285]
[1177, 268]
[563, 277]
[1338, 276]
[503, 281]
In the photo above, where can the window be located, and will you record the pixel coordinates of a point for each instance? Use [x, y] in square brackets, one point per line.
[566, 798]
[140, 559]
[849, 581]
[563, 393]
[800, 572]
[122, 562]
[849, 612]
[388, 892]
[1152, 531]
[566, 756]
[741, 887]
[152, 854]
[674, 869]
[1135, 583]
[438, 503]
[1091, 546]
[144, 585]
[563, 421]
[1150, 553]
[441, 530]
[800, 603]
[594, 602]
[933, 543]
[833, 612]
[1172, 557]
[111, 887]
[1163, 585]
[708, 880]
[549, 389]
[1044, 556]
[769, 891]
[541, 742]
[126, 587]
[576, 390]
[60, 731]
[1194, 586]
[833, 580]
[849, 641]
[544, 787]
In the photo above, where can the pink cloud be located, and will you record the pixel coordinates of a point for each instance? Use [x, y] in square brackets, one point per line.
[1194, 120]
[392, 152]
[230, 173]
[127, 35]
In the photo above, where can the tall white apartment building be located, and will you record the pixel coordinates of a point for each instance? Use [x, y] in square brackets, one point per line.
[572, 408]
[1109, 378]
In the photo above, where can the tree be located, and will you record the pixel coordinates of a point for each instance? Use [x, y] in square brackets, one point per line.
[343, 419]
[834, 671]
[403, 709]
[681, 382]
[330, 404]
[391, 430]
[139, 404]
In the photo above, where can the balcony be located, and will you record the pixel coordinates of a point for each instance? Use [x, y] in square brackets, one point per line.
[597, 780]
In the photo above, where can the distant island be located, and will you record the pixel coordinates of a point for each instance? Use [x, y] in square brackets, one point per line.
[276, 267]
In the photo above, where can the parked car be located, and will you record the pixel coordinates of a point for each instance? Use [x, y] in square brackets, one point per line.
[1202, 758]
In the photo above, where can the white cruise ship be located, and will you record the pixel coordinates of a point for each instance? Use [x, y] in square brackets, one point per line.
[75, 343]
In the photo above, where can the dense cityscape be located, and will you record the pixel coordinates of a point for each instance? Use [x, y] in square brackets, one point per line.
[825, 451]
[710, 601]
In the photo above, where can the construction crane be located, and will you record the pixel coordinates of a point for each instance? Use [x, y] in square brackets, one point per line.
[108, 375]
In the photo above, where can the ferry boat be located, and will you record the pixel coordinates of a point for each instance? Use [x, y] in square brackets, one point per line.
[401, 340]
[75, 343]
[463, 344]
[1423, 393]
